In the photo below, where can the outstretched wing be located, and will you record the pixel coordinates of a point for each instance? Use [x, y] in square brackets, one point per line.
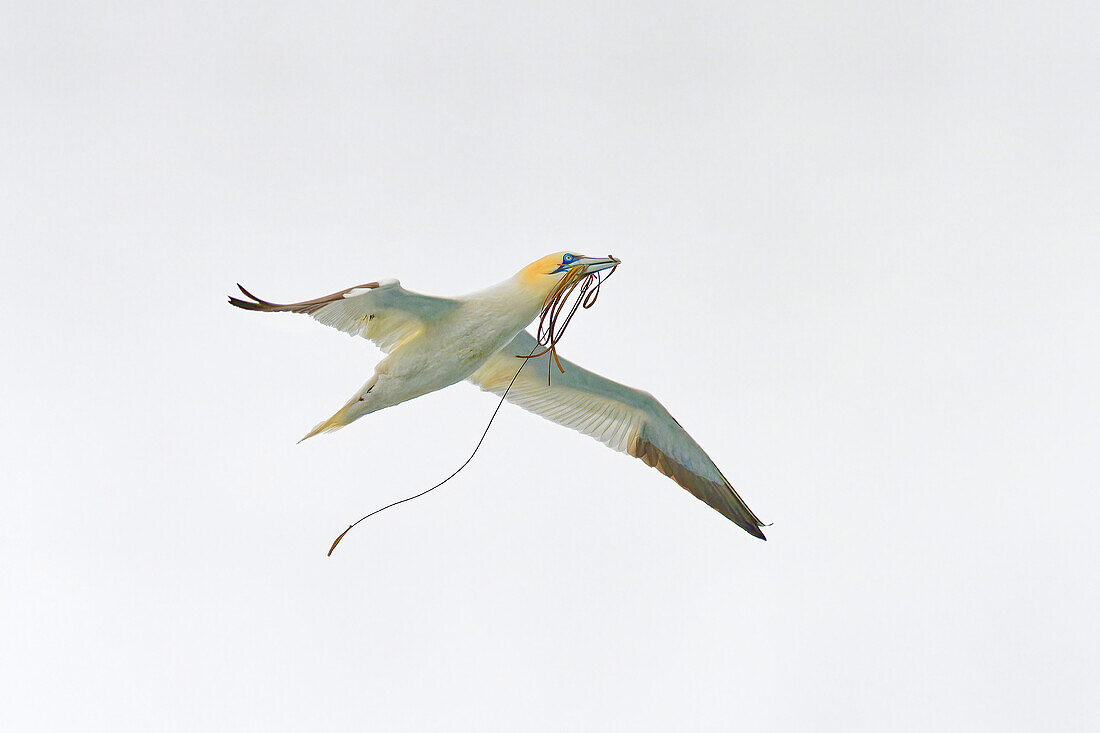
[383, 311]
[623, 418]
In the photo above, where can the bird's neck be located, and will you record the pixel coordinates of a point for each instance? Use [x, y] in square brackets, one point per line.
[519, 298]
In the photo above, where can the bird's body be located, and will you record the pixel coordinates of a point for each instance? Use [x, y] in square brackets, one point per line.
[433, 343]
[444, 352]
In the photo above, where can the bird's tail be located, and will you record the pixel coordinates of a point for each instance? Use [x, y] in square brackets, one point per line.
[355, 408]
[337, 421]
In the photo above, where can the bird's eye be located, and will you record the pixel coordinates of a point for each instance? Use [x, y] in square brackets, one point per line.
[567, 258]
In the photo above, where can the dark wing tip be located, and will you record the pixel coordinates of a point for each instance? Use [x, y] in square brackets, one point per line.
[734, 508]
[755, 532]
[254, 304]
[730, 506]
[246, 293]
[306, 306]
[244, 304]
[718, 495]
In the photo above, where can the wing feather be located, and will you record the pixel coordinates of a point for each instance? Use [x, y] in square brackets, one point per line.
[625, 419]
[382, 312]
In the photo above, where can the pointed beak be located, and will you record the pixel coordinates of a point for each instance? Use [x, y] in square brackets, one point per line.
[596, 264]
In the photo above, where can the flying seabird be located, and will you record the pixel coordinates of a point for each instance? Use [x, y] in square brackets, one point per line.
[433, 342]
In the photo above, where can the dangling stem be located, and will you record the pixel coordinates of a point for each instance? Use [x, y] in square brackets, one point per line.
[425, 491]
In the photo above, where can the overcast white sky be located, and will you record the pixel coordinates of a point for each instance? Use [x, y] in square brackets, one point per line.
[860, 265]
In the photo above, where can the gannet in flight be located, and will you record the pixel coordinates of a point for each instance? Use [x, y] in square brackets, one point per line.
[433, 343]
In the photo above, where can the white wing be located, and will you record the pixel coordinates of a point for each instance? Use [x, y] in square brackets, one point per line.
[383, 312]
[623, 418]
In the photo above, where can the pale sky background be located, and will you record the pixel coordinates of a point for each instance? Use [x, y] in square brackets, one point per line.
[860, 266]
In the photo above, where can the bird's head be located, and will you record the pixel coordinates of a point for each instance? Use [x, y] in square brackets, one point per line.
[548, 271]
[553, 281]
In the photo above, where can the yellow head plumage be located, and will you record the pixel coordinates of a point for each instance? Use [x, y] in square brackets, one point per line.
[547, 270]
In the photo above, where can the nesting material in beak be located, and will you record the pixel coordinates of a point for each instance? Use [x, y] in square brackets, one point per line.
[579, 276]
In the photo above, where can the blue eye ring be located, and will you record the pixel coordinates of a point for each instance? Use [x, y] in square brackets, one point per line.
[567, 258]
